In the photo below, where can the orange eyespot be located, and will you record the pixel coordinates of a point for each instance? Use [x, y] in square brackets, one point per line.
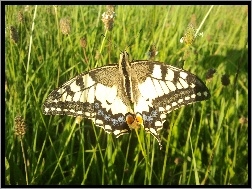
[139, 119]
[130, 118]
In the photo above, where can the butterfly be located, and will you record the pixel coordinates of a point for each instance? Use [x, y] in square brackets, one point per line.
[128, 95]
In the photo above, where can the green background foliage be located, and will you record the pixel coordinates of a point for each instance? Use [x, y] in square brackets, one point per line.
[203, 143]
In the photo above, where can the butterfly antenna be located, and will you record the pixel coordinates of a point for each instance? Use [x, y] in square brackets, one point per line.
[134, 38]
[110, 42]
[115, 46]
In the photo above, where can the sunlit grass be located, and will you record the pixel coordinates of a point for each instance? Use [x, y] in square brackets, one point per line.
[205, 143]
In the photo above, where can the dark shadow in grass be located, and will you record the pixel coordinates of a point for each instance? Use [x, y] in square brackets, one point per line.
[234, 60]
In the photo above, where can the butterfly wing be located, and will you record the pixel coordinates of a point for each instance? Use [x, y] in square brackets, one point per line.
[106, 94]
[97, 95]
[161, 89]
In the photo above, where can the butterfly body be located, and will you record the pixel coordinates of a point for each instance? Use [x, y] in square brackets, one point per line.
[125, 96]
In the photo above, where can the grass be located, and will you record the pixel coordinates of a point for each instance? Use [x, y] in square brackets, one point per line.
[206, 143]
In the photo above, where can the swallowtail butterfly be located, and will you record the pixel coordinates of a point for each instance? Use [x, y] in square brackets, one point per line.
[121, 97]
